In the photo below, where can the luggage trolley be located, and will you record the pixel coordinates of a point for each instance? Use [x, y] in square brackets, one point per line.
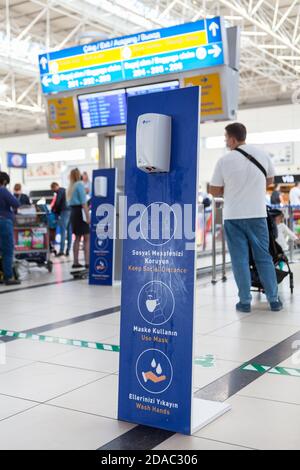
[31, 237]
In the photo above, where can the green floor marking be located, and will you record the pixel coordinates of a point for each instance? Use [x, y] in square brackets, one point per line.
[207, 361]
[256, 368]
[285, 371]
[64, 341]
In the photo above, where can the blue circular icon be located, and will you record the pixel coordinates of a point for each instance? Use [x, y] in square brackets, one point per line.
[156, 303]
[154, 371]
[158, 224]
[101, 244]
[101, 266]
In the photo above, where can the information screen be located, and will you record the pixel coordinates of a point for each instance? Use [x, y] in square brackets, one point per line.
[109, 108]
[156, 88]
[103, 109]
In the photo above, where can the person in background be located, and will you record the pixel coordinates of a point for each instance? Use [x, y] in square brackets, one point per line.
[284, 233]
[86, 183]
[295, 195]
[80, 217]
[8, 204]
[276, 197]
[243, 186]
[63, 213]
[22, 198]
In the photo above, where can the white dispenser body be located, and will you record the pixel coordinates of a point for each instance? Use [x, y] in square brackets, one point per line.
[153, 143]
[101, 186]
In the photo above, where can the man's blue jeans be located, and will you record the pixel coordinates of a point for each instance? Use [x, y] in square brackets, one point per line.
[7, 246]
[253, 233]
[64, 224]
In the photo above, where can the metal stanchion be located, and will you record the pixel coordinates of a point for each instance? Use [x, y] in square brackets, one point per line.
[217, 203]
[291, 226]
[224, 276]
[214, 241]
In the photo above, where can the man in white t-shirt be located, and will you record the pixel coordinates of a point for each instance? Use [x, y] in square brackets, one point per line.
[243, 185]
[295, 195]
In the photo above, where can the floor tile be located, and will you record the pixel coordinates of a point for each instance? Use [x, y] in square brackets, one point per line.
[41, 382]
[100, 398]
[89, 359]
[258, 424]
[10, 406]
[179, 442]
[50, 428]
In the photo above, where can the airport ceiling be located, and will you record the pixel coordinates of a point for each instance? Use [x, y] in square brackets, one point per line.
[270, 58]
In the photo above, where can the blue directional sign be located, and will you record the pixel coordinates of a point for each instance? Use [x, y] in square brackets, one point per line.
[16, 160]
[171, 50]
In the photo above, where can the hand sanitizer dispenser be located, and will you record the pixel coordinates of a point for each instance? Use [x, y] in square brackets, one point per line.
[101, 186]
[153, 143]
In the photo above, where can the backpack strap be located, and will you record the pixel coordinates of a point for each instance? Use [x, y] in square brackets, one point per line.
[253, 160]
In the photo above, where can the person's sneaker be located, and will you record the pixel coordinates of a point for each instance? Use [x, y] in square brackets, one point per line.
[68, 253]
[12, 282]
[244, 308]
[60, 254]
[77, 266]
[276, 306]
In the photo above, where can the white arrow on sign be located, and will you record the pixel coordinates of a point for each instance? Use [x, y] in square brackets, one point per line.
[45, 81]
[44, 62]
[215, 51]
[214, 28]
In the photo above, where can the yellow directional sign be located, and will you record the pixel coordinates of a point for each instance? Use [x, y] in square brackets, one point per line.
[62, 116]
[211, 101]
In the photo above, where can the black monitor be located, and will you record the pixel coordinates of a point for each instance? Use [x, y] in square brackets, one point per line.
[104, 109]
[152, 88]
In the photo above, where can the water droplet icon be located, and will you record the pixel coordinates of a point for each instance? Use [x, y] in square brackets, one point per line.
[153, 364]
[159, 370]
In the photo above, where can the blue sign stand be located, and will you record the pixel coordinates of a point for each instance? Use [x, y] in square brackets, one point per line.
[102, 252]
[159, 279]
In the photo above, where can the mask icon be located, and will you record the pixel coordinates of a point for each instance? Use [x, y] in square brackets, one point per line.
[152, 304]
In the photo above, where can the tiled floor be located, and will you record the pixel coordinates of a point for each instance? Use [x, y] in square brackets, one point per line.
[55, 396]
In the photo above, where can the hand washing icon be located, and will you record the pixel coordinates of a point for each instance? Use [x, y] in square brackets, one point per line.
[154, 371]
[156, 376]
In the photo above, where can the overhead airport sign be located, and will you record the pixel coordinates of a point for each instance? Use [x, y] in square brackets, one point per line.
[62, 116]
[211, 93]
[171, 50]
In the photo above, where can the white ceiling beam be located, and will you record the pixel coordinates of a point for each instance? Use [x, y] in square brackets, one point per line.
[262, 25]
[257, 6]
[30, 26]
[167, 10]
[285, 16]
[63, 43]
[296, 28]
[276, 10]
